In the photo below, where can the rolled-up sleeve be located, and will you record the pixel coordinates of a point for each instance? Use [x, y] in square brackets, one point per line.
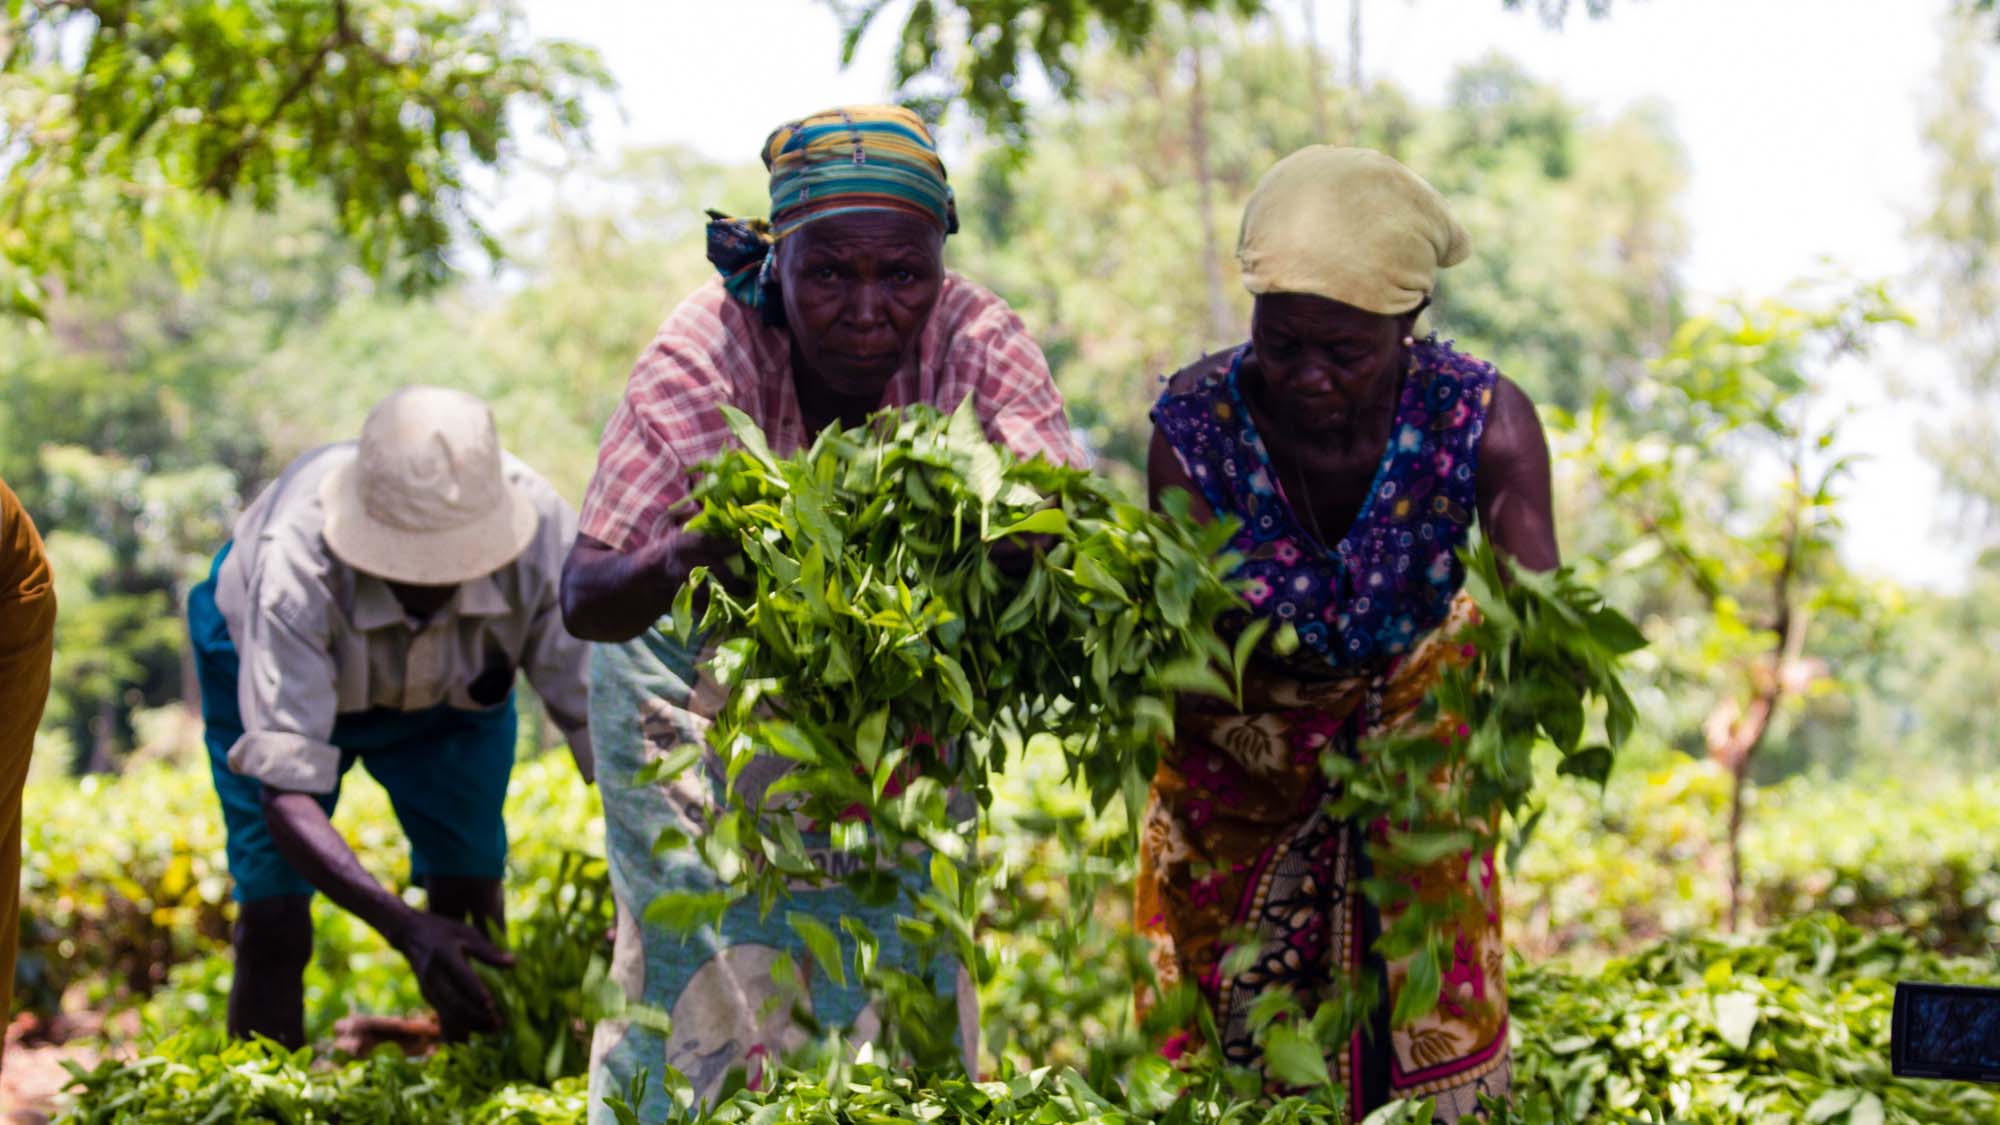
[286, 693]
[559, 670]
[557, 664]
[668, 422]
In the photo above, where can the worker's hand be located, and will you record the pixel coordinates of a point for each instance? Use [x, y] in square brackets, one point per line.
[687, 550]
[438, 949]
[1015, 554]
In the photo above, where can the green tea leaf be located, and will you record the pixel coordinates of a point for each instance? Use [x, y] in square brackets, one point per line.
[682, 912]
[1736, 1018]
[1419, 994]
[1592, 763]
[1048, 521]
[1293, 1059]
[869, 736]
[749, 436]
[822, 943]
[1615, 632]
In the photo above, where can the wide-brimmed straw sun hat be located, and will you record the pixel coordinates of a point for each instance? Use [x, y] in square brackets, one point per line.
[425, 499]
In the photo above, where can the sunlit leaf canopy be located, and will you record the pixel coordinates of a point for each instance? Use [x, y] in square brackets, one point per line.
[977, 50]
[125, 120]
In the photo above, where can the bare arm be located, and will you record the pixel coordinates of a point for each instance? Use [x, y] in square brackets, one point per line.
[307, 840]
[436, 947]
[1514, 504]
[1164, 470]
[613, 595]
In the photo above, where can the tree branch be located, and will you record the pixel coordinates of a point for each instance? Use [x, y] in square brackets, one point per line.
[221, 178]
[1680, 555]
[1746, 735]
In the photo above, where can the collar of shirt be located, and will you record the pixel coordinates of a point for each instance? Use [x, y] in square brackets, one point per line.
[376, 607]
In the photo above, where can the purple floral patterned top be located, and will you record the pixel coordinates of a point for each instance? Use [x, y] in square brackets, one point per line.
[1392, 577]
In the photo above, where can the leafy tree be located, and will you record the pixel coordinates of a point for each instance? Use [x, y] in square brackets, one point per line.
[1002, 38]
[1961, 237]
[122, 545]
[550, 352]
[1576, 232]
[127, 120]
[1737, 398]
[142, 413]
[1573, 274]
[126, 436]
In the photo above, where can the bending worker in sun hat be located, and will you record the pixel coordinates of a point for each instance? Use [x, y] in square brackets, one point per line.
[1355, 458]
[837, 307]
[375, 605]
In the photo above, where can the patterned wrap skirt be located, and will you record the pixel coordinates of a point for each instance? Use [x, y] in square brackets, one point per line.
[647, 697]
[1237, 846]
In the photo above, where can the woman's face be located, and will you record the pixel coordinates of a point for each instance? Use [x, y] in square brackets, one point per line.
[858, 290]
[1328, 368]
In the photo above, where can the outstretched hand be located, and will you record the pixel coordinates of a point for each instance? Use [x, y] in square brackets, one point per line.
[440, 950]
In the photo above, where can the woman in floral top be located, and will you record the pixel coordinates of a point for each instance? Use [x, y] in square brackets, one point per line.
[1356, 459]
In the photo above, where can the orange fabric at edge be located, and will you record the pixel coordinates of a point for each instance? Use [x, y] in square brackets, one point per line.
[27, 644]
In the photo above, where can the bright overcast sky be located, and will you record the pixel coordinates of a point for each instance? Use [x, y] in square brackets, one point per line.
[1802, 119]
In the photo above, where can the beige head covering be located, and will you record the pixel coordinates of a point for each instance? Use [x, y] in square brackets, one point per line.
[1348, 224]
[426, 499]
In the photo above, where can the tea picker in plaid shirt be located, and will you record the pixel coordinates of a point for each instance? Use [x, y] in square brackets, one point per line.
[837, 307]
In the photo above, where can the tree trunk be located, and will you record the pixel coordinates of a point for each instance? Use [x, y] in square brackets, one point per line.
[1740, 739]
[1759, 721]
[1354, 45]
[1220, 328]
[103, 738]
[1315, 82]
[1354, 71]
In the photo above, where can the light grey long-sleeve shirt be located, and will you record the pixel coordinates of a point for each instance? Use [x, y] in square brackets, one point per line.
[317, 639]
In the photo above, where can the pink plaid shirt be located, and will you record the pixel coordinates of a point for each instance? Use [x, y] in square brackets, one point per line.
[713, 350]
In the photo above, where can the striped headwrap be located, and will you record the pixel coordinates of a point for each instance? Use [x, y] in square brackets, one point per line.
[836, 162]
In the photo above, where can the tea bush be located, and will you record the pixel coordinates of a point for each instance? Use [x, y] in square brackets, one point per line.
[125, 888]
[1790, 1025]
[1920, 853]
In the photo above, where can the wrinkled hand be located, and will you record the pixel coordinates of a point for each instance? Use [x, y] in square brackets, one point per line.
[438, 949]
[690, 549]
[1015, 554]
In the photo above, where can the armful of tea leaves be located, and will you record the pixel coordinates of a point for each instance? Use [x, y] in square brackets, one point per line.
[889, 656]
[1544, 652]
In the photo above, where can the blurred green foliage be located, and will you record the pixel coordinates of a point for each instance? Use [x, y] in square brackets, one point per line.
[1792, 1025]
[125, 890]
[1960, 241]
[1679, 1026]
[979, 51]
[126, 122]
[1912, 850]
